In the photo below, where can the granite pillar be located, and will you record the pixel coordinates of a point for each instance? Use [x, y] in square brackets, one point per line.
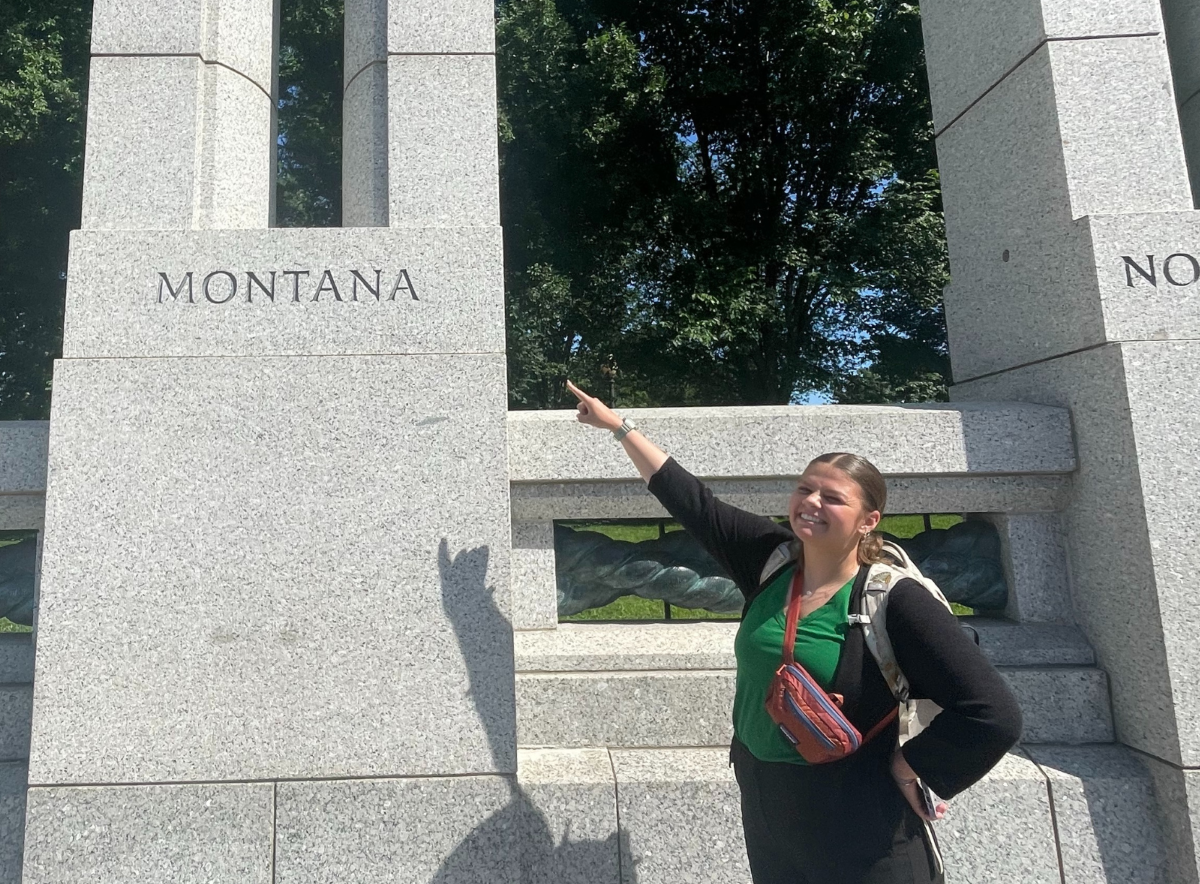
[1068, 211]
[278, 526]
[180, 115]
[419, 121]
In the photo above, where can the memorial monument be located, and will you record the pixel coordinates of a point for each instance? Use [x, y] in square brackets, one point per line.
[278, 470]
[297, 617]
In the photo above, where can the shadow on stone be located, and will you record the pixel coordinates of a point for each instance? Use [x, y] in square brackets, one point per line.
[519, 832]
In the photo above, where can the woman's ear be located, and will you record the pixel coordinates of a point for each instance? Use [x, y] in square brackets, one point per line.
[871, 521]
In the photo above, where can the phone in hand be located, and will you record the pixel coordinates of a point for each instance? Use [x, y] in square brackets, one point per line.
[928, 800]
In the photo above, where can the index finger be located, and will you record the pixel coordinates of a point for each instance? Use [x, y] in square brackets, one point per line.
[579, 394]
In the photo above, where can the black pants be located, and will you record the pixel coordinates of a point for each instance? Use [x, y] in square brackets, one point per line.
[840, 823]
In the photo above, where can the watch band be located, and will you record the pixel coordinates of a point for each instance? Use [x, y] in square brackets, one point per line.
[627, 427]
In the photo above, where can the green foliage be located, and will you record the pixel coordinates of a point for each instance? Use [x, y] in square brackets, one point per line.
[738, 202]
[43, 74]
[309, 177]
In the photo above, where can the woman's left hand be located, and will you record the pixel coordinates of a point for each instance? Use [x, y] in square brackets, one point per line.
[908, 784]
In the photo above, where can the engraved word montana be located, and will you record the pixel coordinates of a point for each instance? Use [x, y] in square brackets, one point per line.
[223, 286]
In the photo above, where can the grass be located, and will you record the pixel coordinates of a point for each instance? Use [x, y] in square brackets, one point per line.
[632, 607]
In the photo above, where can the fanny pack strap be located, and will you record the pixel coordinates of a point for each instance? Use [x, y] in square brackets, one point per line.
[795, 603]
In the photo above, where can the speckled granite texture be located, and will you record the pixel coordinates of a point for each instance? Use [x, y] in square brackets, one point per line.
[455, 830]
[570, 835]
[764, 441]
[175, 143]
[195, 834]
[204, 515]
[972, 46]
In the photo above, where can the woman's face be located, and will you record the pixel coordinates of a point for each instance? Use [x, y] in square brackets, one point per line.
[827, 509]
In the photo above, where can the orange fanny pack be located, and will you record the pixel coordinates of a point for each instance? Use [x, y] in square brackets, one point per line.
[811, 719]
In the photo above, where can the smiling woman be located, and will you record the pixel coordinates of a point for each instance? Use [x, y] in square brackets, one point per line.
[859, 633]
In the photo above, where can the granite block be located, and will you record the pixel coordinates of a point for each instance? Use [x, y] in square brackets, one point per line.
[1104, 809]
[142, 132]
[567, 710]
[1001, 830]
[680, 814]
[1164, 247]
[972, 46]
[906, 494]
[174, 143]
[365, 149]
[193, 834]
[441, 26]
[272, 567]
[20, 512]
[16, 704]
[364, 39]
[1062, 704]
[1031, 644]
[23, 447]
[129, 294]
[617, 647]
[12, 820]
[1097, 82]
[442, 158]
[419, 831]
[1162, 381]
[16, 658]
[239, 34]
[235, 172]
[1035, 567]
[686, 645]
[570, 834]
[552, 446]
[1114, 585]
[534, 590]
[1035, 154]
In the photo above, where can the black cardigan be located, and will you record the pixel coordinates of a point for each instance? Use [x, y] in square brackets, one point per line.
[981, 719]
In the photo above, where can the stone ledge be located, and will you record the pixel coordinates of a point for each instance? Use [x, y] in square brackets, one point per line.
[757, 442]
[617, 647]
[687, 708]
[545, 501]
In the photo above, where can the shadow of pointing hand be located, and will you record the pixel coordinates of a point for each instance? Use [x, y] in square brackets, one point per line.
[485, 640]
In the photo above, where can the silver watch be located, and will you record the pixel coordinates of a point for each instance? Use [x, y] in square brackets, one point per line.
[627, 427]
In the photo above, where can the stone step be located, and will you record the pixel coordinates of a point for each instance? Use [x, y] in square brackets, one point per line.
[1078, 815]
[666, 708]
[700, 644]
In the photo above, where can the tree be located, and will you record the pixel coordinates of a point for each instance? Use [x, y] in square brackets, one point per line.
[309, 177]
[744, 208]
[43, 76]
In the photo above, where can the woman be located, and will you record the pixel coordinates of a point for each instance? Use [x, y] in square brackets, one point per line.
[859, 820]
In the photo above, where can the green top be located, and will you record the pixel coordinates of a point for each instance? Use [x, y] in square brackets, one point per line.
[759, 652]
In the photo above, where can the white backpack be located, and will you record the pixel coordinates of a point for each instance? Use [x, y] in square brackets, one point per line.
[915, 715]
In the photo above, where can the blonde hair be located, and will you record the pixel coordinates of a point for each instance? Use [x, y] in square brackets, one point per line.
[874, 494]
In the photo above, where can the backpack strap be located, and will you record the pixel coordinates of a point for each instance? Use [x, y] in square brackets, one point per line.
[915, 715]
[782, 556]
